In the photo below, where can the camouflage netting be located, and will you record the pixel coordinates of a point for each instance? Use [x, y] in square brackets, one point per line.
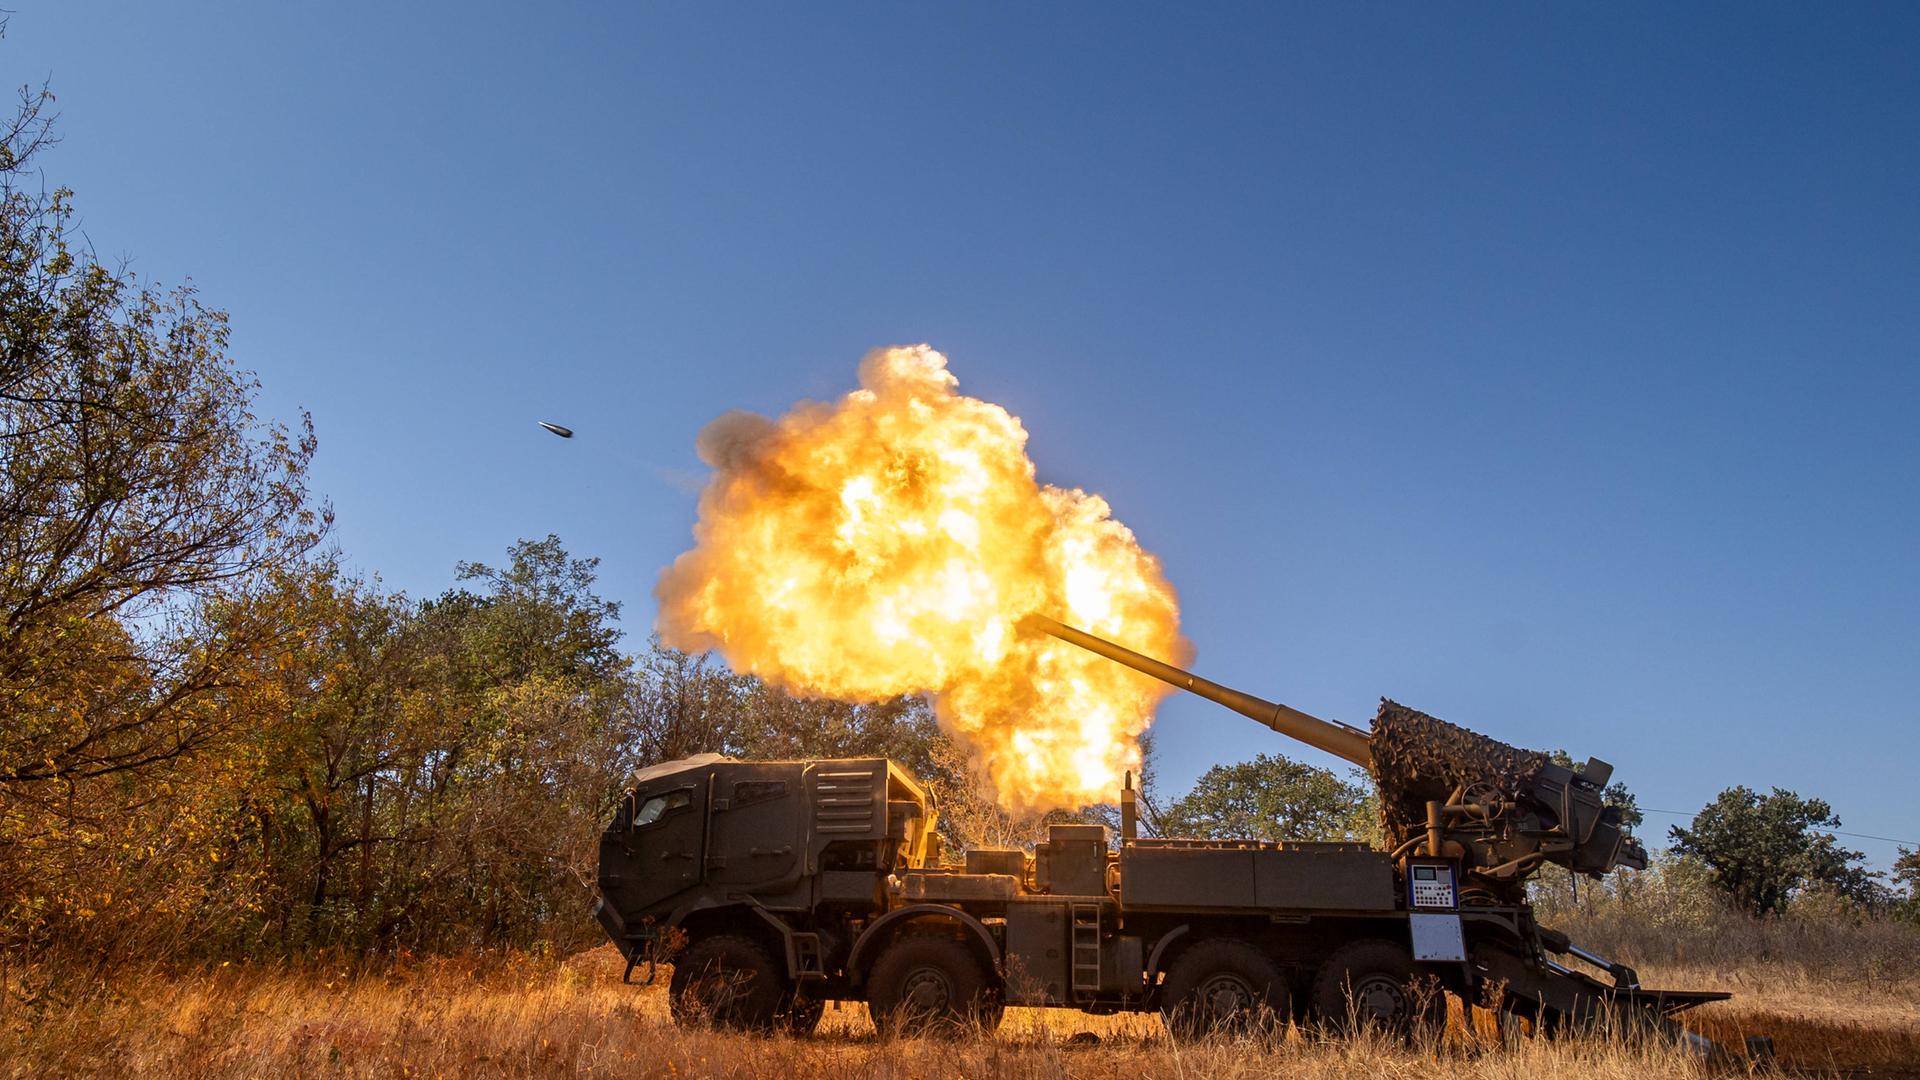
[1417, 758]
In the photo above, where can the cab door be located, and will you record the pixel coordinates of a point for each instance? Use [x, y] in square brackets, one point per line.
[756, 831]
[667, 833]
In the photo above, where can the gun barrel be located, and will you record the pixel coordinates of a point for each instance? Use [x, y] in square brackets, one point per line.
[1339, 740]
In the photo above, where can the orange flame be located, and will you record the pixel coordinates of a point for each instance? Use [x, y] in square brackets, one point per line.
[888, 543]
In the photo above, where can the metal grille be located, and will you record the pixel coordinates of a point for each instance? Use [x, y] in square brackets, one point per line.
[843, 802]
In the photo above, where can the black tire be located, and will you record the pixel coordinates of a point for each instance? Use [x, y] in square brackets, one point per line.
[925, 984]
[799, 1015]
[1375, 983]
[727, 981]
[1223, 986]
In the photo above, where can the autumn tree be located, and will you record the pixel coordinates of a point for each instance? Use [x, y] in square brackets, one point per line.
[141, 499]
[1762, 850]
[1906, 872]
[445, 766]
[1274, 797]
[143, 508]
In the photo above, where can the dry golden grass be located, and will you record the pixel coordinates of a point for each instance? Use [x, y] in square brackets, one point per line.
[521, 1017]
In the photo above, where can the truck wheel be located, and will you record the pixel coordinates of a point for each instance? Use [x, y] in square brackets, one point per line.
[929, 985]
[728, 981]
[1375, 982]
[800, 1015]
[1221, 986]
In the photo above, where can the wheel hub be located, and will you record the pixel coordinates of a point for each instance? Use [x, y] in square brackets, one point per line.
[1382, 998]
[1224, 995]
[716, 991]
[926, 990]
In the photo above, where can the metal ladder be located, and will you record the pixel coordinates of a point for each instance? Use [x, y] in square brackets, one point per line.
[1086, 948]
[806, 956]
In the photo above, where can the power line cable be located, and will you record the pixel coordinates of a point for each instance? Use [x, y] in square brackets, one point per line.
[1830, 831]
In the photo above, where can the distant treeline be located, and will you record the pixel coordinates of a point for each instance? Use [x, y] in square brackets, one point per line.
[377, 772]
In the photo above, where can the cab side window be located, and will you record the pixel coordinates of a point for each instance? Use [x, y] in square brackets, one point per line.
[660, 806]
[747, 792]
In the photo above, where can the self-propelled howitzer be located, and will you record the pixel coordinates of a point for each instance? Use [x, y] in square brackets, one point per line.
[773, 887]
[1445, 792]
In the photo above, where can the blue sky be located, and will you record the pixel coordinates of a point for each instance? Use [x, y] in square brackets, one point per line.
[1548, 368]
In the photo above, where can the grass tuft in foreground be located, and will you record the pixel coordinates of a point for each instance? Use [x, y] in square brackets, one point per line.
[523, 1017]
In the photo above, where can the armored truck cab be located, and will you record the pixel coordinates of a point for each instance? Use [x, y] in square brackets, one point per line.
[796, 841]
[775, 886]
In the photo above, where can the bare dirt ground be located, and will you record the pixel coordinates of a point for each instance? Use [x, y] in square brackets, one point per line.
[524, 1017]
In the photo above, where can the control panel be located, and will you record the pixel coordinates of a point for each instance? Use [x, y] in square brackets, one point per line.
[1430, 886]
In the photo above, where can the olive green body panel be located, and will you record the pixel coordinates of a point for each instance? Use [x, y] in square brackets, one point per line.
[1255, 877]
[1037, 953]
